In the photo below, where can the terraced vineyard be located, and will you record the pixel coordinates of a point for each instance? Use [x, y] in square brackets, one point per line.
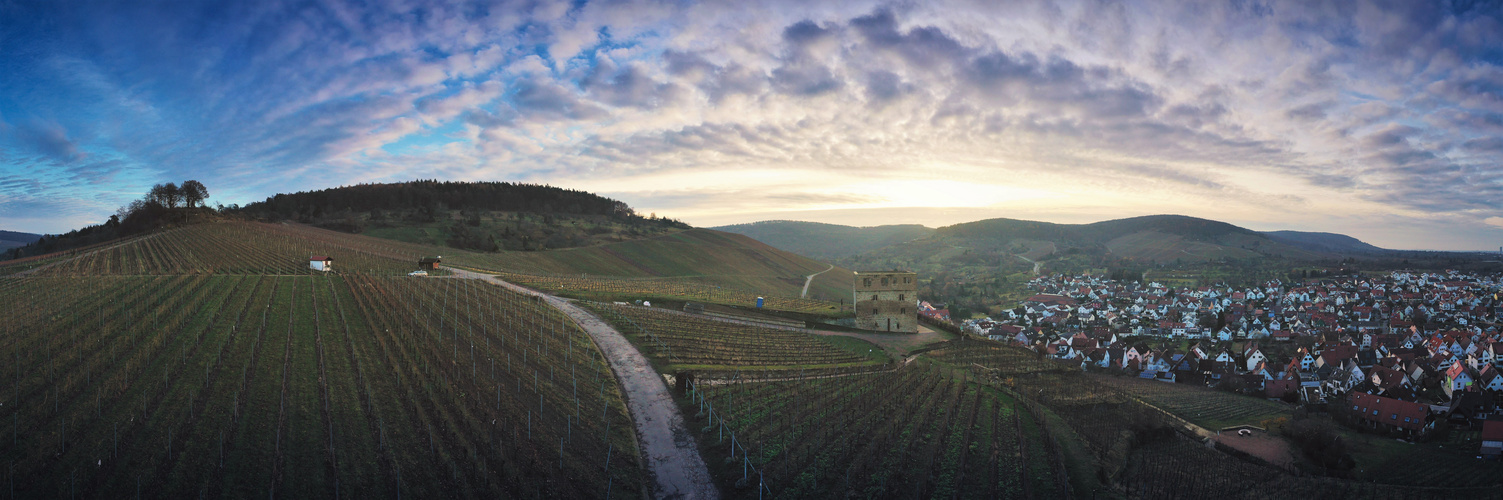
[240, 248]
[918, 432]
[694, 289]
[683, 341]
[304, 386]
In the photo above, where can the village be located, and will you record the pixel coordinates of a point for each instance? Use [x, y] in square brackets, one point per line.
[1396, 354]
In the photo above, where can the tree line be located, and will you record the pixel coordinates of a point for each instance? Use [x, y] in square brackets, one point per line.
[432, 197]
[162, 205]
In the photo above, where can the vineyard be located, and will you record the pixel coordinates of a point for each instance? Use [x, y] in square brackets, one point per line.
[694, 289]
[1205, 407]
[241, 248]
[683, 341]
[1148, 453]
[359, 386]
[917, 432]
[1179, 468]
[695, 258]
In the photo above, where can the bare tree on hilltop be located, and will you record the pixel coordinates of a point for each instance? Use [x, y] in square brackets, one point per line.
[193, 192]
[158, 208]
[167, 195]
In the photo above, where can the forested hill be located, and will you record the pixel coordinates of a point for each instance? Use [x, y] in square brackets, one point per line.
[826, 241]
[9, 239]
[434, 196]
[480, 216]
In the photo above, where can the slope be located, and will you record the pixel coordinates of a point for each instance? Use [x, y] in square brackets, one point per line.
[481, 216]
[181, 385]
[12, 239]
[237, 247]
[725, 259]
[826, 241]
[1324, 242]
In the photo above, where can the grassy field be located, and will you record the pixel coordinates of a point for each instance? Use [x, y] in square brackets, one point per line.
[181, 386]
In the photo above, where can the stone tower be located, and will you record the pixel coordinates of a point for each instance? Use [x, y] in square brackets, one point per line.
[886, 301]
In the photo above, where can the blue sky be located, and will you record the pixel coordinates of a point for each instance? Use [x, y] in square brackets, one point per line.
[1382, 120]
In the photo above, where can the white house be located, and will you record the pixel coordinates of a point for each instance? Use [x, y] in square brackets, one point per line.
[1255, 358]
[321, 263]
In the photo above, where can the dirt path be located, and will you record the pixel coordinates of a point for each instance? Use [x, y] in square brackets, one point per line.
[810, 279]
[1036, 264]
[671, 455]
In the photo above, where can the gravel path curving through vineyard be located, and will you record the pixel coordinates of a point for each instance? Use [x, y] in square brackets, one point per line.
[671, 454]
[810, 279]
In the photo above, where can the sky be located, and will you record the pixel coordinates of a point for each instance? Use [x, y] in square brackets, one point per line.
[1380, 120]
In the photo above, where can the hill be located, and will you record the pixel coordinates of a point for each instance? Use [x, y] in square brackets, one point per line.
[12, 239]
[1153, 239]
[702, 255]
[827, 241]
[976, 266]
[1324, 242]
[215, 364]
[480, 216]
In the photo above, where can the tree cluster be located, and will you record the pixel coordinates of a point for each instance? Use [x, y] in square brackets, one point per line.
[163, 204]
[431, 197]
[1321, 444]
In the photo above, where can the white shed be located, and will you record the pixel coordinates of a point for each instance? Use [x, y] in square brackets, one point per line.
[321, 263]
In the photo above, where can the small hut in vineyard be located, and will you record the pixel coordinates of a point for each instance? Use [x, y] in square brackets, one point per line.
[429, 263]
[321, 263]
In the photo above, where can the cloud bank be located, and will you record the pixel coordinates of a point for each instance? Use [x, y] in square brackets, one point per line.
[1381, 121]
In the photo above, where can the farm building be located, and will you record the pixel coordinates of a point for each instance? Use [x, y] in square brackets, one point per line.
[886, 301]
[321, 263]
[429, 263]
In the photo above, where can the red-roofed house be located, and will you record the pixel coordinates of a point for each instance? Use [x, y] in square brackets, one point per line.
[1335, 354]
[1492, 439]
[1279, 388]
[1388, 413]
[1458, 377]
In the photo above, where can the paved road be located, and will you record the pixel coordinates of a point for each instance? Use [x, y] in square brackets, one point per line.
[671, 454]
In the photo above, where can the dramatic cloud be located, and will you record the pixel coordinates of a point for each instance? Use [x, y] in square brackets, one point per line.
[1380, 120]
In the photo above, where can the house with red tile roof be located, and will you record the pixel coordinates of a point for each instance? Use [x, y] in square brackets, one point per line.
[1492, 439]
[1379, 412]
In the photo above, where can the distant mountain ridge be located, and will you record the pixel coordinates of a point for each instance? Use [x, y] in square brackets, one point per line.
[1151, 238]
[827, 241]
[12, 239]
[1324, 242]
